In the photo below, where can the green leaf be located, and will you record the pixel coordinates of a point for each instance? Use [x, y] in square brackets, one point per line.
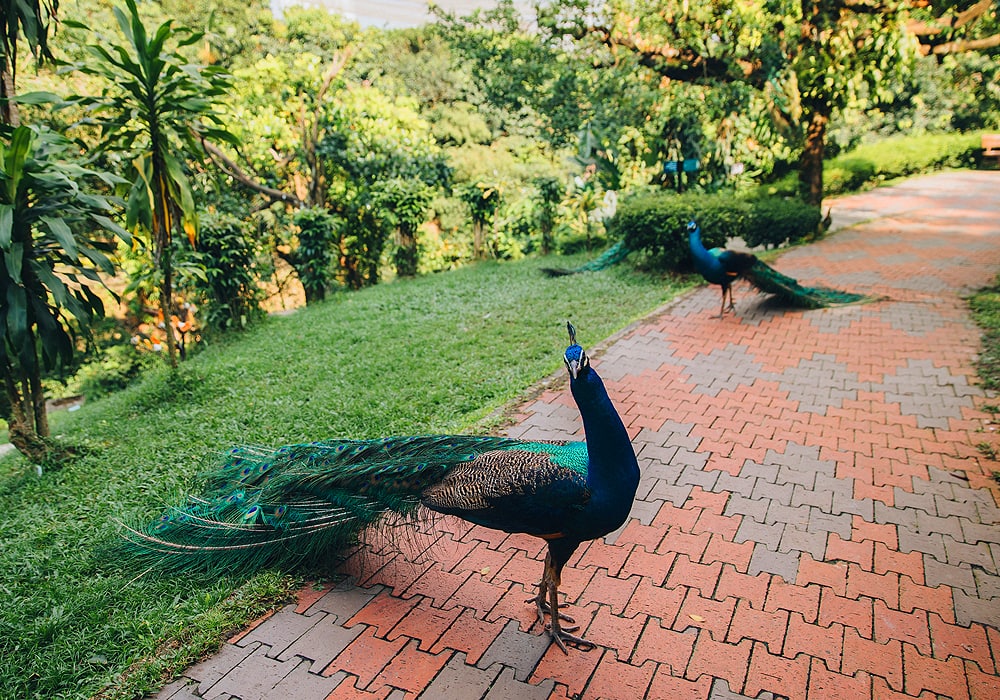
[6, 225]
[13, 258]
[58, 228]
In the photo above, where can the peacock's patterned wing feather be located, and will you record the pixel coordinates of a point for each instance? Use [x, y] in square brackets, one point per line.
[534, 488]
[303, 503]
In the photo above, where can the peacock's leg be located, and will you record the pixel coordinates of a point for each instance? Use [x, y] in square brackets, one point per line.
[560, 635]
[541, 600]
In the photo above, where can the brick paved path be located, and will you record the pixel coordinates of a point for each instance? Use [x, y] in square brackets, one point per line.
[814, 519]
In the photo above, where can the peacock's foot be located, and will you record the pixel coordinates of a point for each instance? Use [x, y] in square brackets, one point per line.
[560, 635]
[543, 608]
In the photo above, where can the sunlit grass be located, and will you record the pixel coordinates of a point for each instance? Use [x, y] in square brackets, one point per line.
[436, 354]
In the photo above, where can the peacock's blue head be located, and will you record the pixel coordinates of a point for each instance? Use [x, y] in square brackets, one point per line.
[692, 227]
[576, 359]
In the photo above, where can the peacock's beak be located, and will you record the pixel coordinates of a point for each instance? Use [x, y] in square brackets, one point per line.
[573, 366]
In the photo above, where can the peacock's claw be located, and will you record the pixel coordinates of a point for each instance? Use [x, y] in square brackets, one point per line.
[561, 636]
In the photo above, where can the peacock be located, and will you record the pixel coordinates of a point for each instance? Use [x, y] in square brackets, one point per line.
[301, 504]
[723, 267]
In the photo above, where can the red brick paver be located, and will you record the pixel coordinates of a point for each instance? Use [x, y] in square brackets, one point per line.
[815, 520]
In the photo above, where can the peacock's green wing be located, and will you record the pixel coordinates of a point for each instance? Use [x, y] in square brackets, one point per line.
[299, 503]
[534, 488]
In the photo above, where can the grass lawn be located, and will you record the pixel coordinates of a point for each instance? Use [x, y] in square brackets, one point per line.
[436, 354]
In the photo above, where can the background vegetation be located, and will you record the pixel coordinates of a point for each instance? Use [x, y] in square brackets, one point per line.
[172, 172]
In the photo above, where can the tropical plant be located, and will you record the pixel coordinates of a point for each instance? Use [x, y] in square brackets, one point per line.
[32, 19]
[156, 110]
[406, 201]
[550, 192]
[52, 252]
[229, 284]
[312, 257]
[483, 199]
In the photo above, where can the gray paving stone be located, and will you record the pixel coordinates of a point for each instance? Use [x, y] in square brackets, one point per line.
[663, 491]
[742, 485]
[764, 472]
[931, 543]
[957, 576]
[975, 554]
[696, 476]
[780, 493]
[917, 501]
[802, 540]
[787, 515]
[793, 475]
[863, 507]
[322, 643]
[508, 686]
[209, 671]
[768, 535]
[344, 600]
[971, 608]
[720, 691]
[180, 689]
[644, 511]
[987, 584]
[934, 488]
[301, 684]
[933, 523]
[255, 677]
[824, 523]
[888, 515]
[460, 681]
[817, 498]
[784, 564]
[520, 650]
[738, 505]
[947, 508]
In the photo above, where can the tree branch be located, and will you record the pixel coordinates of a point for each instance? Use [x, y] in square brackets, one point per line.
[964, 45]
[228, 166]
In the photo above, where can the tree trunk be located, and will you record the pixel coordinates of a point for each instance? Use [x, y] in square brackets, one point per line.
[167, 304]
[811, 160]
[9, 113]
[478, 241]
[27, 434]
[406, 252]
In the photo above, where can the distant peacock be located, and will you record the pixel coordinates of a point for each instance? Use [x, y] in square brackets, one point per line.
[302, 504]
[723, 267]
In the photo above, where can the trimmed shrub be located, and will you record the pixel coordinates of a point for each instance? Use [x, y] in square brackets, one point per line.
[656, 223]
[775, 221]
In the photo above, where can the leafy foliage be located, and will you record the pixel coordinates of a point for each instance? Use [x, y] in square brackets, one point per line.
[53, 243]
[312, 257]
[230, 280]
[656, 223]
[775, 221]
[156, 106]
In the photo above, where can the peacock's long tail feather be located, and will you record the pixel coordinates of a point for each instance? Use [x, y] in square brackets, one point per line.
[770, 281]
[612, 256]
[300, 504]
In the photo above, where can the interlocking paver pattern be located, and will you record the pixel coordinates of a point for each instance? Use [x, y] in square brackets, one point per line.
[814, 519]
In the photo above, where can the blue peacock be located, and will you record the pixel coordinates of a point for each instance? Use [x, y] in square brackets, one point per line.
[723, 267]
[301, 504]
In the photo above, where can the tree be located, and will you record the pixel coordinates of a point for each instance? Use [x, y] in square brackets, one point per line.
[406, 200]
[483, 200]
[50, 258]
[32, 19]
[809, 57]
[157, 108]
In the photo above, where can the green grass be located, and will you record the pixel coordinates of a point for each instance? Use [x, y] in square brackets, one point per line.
[437, 354]
[985, 306]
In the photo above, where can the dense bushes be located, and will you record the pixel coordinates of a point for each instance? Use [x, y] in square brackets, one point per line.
[890, 158]
[656, 223]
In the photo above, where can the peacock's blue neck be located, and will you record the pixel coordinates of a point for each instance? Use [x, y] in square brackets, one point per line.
[612, 469]
[707, 265]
